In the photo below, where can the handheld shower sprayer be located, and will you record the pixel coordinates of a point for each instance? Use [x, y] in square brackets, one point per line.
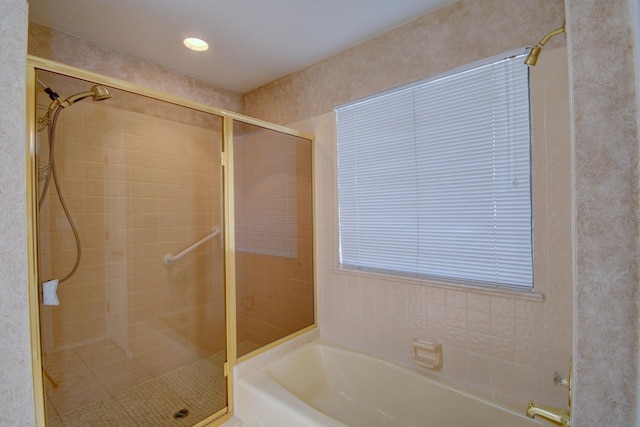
[97, 92]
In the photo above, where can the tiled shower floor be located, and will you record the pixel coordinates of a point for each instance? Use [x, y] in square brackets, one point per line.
[98, 385]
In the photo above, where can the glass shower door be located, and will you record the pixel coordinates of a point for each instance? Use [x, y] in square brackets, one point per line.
[273, 216]
[138, 336]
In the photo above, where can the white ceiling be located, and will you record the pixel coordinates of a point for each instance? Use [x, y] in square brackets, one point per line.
[252, 41]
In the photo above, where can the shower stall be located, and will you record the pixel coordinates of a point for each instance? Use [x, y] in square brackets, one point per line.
[168, 239]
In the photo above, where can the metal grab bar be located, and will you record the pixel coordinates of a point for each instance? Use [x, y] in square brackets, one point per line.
[170, 259]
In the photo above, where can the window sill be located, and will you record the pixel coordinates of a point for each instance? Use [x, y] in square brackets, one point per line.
[529, 295]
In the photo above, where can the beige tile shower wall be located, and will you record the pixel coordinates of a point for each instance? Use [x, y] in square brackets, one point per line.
[455, 35]
[505, 345]
[67, 49]
[138, 188]
[275, 296]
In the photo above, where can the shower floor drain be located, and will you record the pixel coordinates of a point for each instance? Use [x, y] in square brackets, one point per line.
[182, 413]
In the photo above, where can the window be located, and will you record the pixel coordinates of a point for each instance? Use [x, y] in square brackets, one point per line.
[434, 179]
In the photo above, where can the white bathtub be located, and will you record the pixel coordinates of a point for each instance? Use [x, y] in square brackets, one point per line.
[321, 384]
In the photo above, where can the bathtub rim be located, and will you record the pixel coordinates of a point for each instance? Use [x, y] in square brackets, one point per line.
[450, 384]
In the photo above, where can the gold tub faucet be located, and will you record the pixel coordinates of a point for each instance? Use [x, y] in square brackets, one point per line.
[561, 417]
[558, 416]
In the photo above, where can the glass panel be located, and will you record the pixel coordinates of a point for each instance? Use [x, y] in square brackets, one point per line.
[133, 341]
[273, 235]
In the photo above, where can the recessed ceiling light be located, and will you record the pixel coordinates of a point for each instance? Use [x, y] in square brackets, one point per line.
[196, 44]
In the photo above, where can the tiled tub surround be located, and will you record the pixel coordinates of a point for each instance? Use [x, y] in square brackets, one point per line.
[138, 187]
[505, 344]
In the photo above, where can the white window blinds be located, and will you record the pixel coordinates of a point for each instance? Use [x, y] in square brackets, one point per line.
[265, 193]
[434, 179]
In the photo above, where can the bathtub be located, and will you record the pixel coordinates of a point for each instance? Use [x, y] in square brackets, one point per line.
[322, 384]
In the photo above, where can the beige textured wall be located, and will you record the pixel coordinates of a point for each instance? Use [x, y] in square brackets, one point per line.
[71, 50]
[605, 141]
[16, 390]
[455, 35]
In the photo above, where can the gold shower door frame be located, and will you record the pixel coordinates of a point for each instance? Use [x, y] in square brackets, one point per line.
[36, 63]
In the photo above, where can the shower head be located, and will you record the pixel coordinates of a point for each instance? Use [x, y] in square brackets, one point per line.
[532, 58]
[98, 93]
